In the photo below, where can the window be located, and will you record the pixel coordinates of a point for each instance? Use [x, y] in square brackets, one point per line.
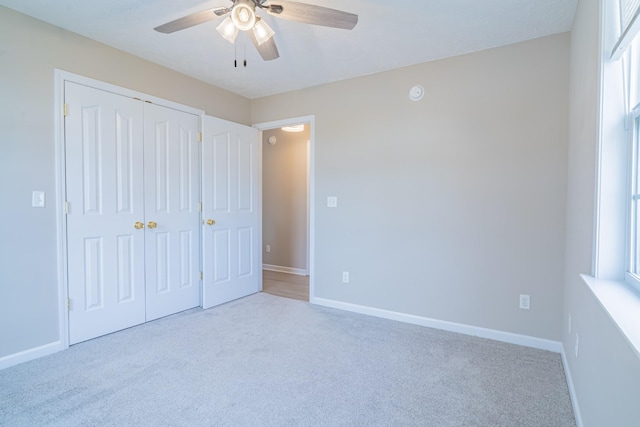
[633, 275]
[616, 256]
[631, 69]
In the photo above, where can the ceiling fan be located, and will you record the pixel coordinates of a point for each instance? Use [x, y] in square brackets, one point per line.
[243, 17]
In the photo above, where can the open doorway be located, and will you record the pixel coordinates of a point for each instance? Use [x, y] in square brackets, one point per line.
[286, 208]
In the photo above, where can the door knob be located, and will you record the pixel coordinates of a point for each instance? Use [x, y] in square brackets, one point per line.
[138, 225]
[152, 224]
[210, 222]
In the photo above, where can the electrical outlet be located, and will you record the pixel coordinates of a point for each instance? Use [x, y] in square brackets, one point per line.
[569, 324]
[577, 345]
[345, 277]
[332, 202]
[525, 302]
[268, 249]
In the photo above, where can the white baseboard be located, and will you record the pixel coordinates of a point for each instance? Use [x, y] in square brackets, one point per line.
[280, 269]
[508, 337]
[31, 354]
[572, 390]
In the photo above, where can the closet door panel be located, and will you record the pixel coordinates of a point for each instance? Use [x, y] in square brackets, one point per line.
[232, 240]
[104, 191]
[172, 189]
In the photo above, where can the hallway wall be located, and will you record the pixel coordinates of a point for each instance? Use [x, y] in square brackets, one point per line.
[284, 195]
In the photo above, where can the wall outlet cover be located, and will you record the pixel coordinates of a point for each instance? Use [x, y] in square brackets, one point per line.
[37, 199]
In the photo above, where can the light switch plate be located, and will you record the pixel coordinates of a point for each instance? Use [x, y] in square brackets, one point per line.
[37, 199]
[332, 202]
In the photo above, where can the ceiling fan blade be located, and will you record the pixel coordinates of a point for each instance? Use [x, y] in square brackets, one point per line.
[268, 50]
[312, 14]
[193, 19]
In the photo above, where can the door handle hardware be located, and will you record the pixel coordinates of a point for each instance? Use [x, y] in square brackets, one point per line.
[138, 225]
[152, 224]
[210, 222]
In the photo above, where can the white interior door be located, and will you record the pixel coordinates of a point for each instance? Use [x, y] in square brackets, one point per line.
[172, 197]
[232, 226]
[104, 189]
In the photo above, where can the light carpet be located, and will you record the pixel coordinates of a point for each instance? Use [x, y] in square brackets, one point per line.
[270, 361]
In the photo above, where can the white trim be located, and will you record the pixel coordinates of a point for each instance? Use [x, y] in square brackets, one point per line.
[312, 143]
[595, 250]
[572, 391]
[31, 354]
[621, 302]
[312, 210]
[61, 223]
[118, 90]
[492, 334]
[281, 269]
[308, 159]
[631, 214]
[632, 280]
[260, 259]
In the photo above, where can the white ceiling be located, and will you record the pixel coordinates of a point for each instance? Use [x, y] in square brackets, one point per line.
[389, 34]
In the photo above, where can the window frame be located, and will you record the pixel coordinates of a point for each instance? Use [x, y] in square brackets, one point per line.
[632, 273]
[631, 78]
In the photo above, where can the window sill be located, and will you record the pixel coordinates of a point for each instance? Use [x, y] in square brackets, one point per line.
[622, 303]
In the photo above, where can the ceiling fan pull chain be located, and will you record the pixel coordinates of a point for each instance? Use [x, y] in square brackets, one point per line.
[235, 55]
[245, 53]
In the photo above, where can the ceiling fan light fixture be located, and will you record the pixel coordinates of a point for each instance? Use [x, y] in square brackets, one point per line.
[228, 30]
[262, 31]
[243, 15]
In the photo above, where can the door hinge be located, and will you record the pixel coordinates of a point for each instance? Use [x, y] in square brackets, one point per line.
[68, 304]
[199, 136]
[201, 275]
[65, 110]
[200, 206]
[66, 208]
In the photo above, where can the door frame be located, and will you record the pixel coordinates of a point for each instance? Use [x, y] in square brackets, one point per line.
[310, 120]
[60, 77]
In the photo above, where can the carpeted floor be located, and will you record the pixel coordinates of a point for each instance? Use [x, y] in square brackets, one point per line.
[270, 361]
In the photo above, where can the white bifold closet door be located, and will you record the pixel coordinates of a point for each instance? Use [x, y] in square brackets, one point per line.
[232, 235]
[172, 198]
[132, 188]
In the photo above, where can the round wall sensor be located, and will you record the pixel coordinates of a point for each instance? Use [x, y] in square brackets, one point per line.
[416, 93]
[272, 139]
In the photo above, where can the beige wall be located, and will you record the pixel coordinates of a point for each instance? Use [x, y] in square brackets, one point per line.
[30, 50]
[284, 198]
[606, 375]
[450, 207]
